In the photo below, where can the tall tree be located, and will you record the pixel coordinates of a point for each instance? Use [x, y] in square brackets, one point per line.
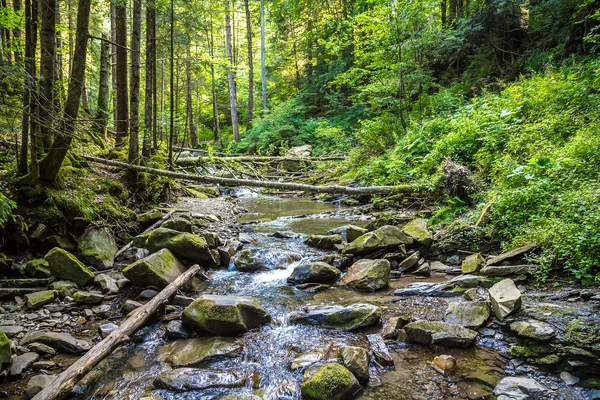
[172, 84]
[250, 64]
[47, 64]
[189, 108]
[17, 5]
[50, 165]
[28, 87]
[149, 106]
[102, 110]
[231, 74]
[134, 119]
[215, 103]
[263, 61]
[113, 59]
[122, 123]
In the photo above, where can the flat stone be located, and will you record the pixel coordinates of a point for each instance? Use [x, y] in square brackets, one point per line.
[65, 265]
[533, 329]
[451, 288]
[385, 238]
[83, 297]
[12, 331]
[510, 254]
[44, 364]
[158, 269]
[37, 383]
[185, 379]
[380, 350]
[356, 359]
[38, 299]
[470, 315]
[568, 378]
[410, 261]
[520, 388]
[42, 349]
[347, 318]
[21, 363]
[439, 333]
[147, 294]
[324, 242]
[195, 352]
[391, 325]
[307, 359]
[506, 270]
[62, 342]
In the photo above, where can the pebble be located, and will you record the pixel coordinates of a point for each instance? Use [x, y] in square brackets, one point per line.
[42, 348]
[106, 329]
[568, 378]
[44, 364]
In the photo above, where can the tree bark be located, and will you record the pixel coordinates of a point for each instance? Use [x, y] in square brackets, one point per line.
[388, 190]
[250, 65]
[47, 64]
[122, 123]
[231, 75]
[443, 12]
[17, 5]
[85, 100]
[50, 165]
[102, 110]
[190, 109]
[33, 93]
[6, 37]
[134, 92]
[27, 86]
[172, 86]
[452, 12]
[149, 131]
[263, 62]
[215, 104]
[63, 384]
[113, 60]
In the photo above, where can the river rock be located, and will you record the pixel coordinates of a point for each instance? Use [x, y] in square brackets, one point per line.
[246, 261]
[64, 288]
[380, 351]
[410, 261]
[385, 238]
[178, 224]
[330, 382]
[37, 299]
[184, 379]
[83, 297]
[418, 229]
[472, 263]
[148, 218]
[97, 248]
[368, 275]
[37, 383]
[5, 350]
[37, 268]
[176, 330]
[11, 331]
[42, 349]
[158, 269]
[506, 298]
[470, 315]
[106, 329]
[194, 352]
[391, 325]
[307, 359]
[64, 265]
[107, 283]
[533, 329]
[129, 306]
[506, 270]
[185, 245]
[439, 333]
[356, 359]
[314, 272]
[225, 315]
[325, 242]
[452, 288]
[353, 232]
[21, 363]
[242, 396]
[520, 388]
[62, 342]
[444, 363]
[347, 318]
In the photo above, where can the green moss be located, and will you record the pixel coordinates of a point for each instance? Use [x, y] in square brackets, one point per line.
[327, 383]
[5, 351]
[536, 354]
[64, 265]
[38, 299]
[551, 359]
[582, 333]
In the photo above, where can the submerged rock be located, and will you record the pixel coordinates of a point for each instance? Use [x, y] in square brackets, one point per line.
[418, 229]
[330, 382]
[314, 272]
[307, 359]
[439, 333]
[470, 315]
[444, 363]
[176, 330]
[325, 242]
[472, 263]
[338, 317]
[62, 342]
[520, 388]
[506, 298]
[380, 350]
[356, 359]
[194, 352]
[533, 329]
[158, 269]
[368, 275]
[98, 248]
[247, 262]
[184, 379]
[64, 265]
[225, 315]
[385, 238]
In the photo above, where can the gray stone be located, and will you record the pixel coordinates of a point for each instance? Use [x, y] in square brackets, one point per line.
[129, 306]
[44, 364]
[107, 283]
[452, 288]
[339, 317]
[506, 298]
[391, 325]
[12, 330]
[356, 359]
[470, 315]
[185, 379]
[314, 272]
[37, 383]
[158, 269]
[83, 297]
[439, 333]
[178, 224]
[368, 275]
[106, 329]
[418, 229]
[353, 232]
[42, 349]
[176, 330]
[385, 238]
[380, 350]
[410, 261]
[64, 288]
[568, 378]
[65, 265]
[62, 342]
[506, 270]
[195, 352]
[533, 329]
[21, 363]
[97, 248]
[324, 242]
[520, 388]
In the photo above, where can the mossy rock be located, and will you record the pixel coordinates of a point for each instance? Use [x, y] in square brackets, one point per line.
[472, 263]
[150, 217]
[5, 264]
[418, 229]
[83, 297]
[314, 272]
[178, 224]
[97, 247]
[184, 245]
[64, 265]
[439, 333]
[325, 242]
[368, 275]
[385, 238]
[330, 382]
[38, 299]
[61, 242]
[245, 261]
[158, 269]
[350, 318]
[64, 288]
[5, 350]
[37, 268]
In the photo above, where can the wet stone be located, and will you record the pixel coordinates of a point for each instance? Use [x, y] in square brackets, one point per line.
[83, 297]
[533, 329]
[106, 329]
[12, 331]
[339, 317]
[380, 350]
[471, 315]
[440, 333]
[176, 330]
[147, 294]
[330, 382]
[184, 379]
[356, 359]
[62, 342]
[37, 383]
[194, 352]
[21, 363]
[43, 365]
[129, 306]
[42, 349]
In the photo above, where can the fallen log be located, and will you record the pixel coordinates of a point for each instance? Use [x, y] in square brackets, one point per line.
[265, 158]
[232, 182]
[154, 226]
[61, 387]
[189, 161]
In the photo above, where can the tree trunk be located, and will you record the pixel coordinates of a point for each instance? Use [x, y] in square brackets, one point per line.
[34, 92]
[453, 10]
[17, 5]
[28, 84]
[172, 86]
[6, 38]
[122, 123]
[215, 104]
[263, 62]
[85, 100]
[460, 8]
[443, 11]
[113, 60]
[250, 65]
[149, 131]
[58, 72]
[190, 109]
[102, 110]
[50, 165]
[134, 92]
[231, 74]
[47, 64]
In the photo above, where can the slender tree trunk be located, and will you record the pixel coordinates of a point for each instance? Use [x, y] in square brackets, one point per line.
[134, 116]
[47, 64]
[154, 86]
[58, 71]
[34, 127]
[263, 61]
[162, 95]
[231, 74]
[85, 99]
[461, 9]
[113, 60]
[149, 132]
[6, 38]
[467, 7]
[172, 86]
[122, 124]
[71, 30]
[453, 10]
[250, 65]
[443, 11]
[102, 110]
[27, 86]
[17, 5]
[190, 109]
[50, 165]
[215, 104]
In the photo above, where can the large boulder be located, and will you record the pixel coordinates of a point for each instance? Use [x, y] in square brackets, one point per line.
[520, 388]
[5, 351]
[314, 272]
[339, 317]
[97, 248]
[194, 352]
[470, 315]
[184, 245]
[64, 265]
[225, 315]
[368, 275]
[385, 238]
[506, 298]
[158, 269]
[185, 379]
[439, 333]
[62, 342]
[356, 359]
[418, 229]
[263, 259]
[533, 329]
[324, 242]
[330, 382]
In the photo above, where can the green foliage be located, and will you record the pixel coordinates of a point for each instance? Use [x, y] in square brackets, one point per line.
[6, 210]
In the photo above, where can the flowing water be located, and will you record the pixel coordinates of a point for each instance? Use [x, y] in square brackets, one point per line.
[267, 353]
